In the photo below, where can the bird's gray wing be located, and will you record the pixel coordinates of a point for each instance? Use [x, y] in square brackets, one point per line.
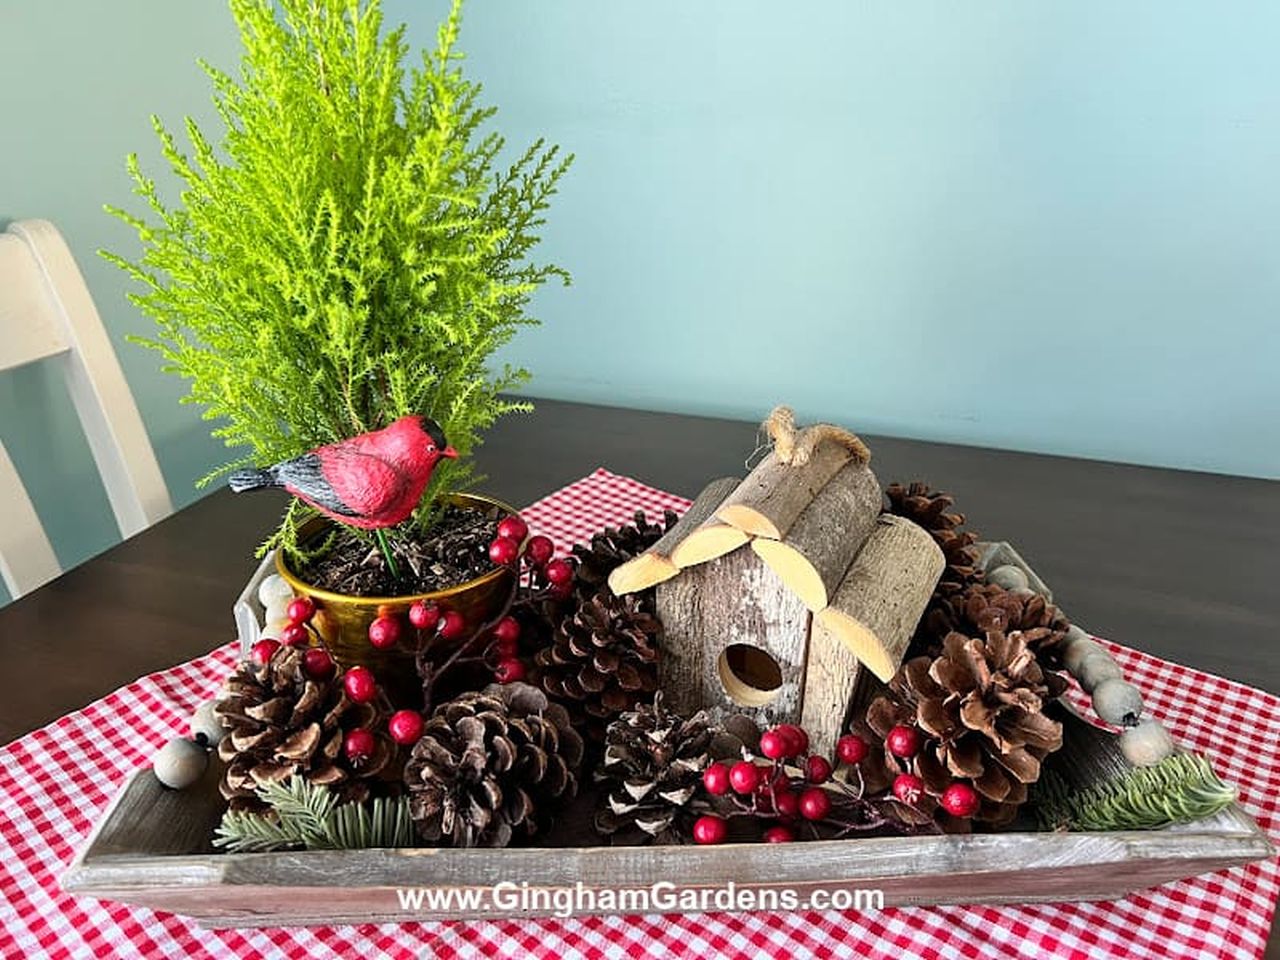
[304, 474]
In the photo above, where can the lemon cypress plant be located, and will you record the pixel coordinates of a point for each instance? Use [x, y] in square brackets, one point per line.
[350, 251]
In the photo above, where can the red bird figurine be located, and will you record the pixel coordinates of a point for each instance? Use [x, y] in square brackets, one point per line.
[371, 481]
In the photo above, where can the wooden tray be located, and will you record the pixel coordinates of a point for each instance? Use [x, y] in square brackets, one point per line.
[152, 849]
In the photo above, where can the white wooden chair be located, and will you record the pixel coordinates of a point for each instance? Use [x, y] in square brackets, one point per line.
[46, 313]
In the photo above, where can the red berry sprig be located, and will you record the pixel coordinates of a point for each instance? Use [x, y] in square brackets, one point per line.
[509, 671]
[295, 635]
[385, 632]
[318, 665]
[908, 788]
[262, 651]
[903, 741]
[513, 528]
[798, 790]
[300, 610]
[424, 615]
[360, 685]
[359, 745]
[539, 551]
[710, 830]
[405, 727]
[960, 800]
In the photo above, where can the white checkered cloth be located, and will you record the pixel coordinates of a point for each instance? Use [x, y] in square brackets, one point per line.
[55, 782]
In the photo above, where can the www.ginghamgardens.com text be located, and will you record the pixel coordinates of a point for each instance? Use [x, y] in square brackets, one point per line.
[661, 897]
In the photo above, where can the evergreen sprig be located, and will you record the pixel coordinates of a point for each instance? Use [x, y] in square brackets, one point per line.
[308, 816]
[351, 251]
[1179, 789]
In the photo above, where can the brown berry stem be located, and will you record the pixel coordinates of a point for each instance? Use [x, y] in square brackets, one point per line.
[431, 674]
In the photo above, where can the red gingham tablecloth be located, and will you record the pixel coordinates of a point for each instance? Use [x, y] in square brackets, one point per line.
[55, 782]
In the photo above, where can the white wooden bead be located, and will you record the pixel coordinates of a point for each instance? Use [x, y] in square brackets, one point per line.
[1146, 744]
[1097, 667]
[277, 611]
[180, 763]
[272, 628]
[1075, 652]
[1009, 577]
[1117, 702]
[273, 590]
[205, 724]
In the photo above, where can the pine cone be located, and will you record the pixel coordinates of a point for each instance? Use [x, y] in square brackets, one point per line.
[603, 660]
[980, 705]
[652, 768]
[491, 767]
[983, 607]
[280, 722]
[614, 546]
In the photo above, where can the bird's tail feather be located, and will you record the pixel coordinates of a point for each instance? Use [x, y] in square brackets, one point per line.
[243, 480]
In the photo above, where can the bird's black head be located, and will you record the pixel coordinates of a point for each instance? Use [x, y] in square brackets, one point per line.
[435, 437]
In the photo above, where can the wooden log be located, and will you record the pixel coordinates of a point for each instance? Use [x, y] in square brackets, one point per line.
[713, 538]
[775, 493]
[815, 553]
[735, 640]
[879, 602]
[655, 564]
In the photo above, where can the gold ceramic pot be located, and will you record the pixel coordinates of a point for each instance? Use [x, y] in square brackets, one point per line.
[342, 621]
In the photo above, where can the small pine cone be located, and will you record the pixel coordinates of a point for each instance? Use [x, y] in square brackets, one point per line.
[984, 607]
[603, 660]
[652, 768]
[980, 705]
[614, 546]
[491, 767]
[281, 722]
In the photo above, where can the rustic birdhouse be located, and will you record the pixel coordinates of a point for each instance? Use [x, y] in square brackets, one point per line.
[777, 591]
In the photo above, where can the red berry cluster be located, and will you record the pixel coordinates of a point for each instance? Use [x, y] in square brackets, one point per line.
[959, 798]
[786, 789]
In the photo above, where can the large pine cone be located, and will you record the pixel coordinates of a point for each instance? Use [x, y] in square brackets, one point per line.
[603, 660]
[652, 768]
[980, 705]
[492, 767]
[280, 722]
[614, 546]
[983, 607]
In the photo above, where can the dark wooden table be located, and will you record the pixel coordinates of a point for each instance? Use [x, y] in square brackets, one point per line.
[1183, 565]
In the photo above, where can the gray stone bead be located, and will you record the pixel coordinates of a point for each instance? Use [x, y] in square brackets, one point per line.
[1076, 650]
[1117, 702]
[1009, 577]
[1146, 744]
[1097, 667]
[204, 726]
[180, 763]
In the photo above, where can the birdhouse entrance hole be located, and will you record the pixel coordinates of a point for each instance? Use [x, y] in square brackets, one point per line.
[750, 677]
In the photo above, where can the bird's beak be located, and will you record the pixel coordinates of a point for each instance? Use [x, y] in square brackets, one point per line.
[449, 452]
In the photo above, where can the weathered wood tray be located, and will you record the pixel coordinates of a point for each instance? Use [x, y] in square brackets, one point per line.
[152, 849]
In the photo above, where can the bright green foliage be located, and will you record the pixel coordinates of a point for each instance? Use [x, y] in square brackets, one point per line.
[351, 252]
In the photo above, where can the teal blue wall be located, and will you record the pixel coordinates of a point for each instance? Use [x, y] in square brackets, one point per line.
[1050, 227]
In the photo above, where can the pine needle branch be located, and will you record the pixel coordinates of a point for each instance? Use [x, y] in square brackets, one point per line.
[302, 815]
